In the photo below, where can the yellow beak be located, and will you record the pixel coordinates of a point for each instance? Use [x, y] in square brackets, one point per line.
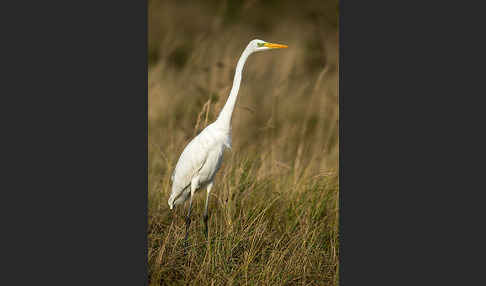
[275, 46]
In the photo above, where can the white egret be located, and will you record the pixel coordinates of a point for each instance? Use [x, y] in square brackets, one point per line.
[202, 157]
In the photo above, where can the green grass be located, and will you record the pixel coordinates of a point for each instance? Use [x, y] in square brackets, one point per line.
[268, 231]
[274, 207]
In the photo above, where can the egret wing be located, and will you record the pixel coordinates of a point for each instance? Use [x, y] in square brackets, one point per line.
[190, 162]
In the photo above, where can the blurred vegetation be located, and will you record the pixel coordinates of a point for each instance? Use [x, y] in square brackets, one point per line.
[274, 208]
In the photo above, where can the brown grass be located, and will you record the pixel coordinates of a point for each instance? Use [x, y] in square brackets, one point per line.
[274, 208]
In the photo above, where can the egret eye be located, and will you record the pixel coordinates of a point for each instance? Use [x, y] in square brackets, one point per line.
[260, 44]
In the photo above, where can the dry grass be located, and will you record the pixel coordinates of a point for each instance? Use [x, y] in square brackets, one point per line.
[274, 208]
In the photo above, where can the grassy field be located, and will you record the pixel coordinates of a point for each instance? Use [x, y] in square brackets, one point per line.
[274, 207]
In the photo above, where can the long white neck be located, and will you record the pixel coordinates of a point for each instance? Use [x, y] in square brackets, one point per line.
[224, 118]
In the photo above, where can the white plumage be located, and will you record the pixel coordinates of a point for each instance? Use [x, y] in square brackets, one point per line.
[202, 157]
[198, 163]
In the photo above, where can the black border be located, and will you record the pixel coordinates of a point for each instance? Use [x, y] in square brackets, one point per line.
[408, 133]
[75, 100]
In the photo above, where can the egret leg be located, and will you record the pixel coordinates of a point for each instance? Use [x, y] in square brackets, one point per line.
[194, 183]
[210, 186]
[188, 219]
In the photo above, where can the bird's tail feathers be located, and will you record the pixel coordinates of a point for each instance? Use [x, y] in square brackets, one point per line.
[180, 198]
[171, 203]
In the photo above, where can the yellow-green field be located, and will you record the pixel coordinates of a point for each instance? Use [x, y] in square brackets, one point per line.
[274, 207]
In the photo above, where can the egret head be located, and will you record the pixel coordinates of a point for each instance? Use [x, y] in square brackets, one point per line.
[259, 45]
